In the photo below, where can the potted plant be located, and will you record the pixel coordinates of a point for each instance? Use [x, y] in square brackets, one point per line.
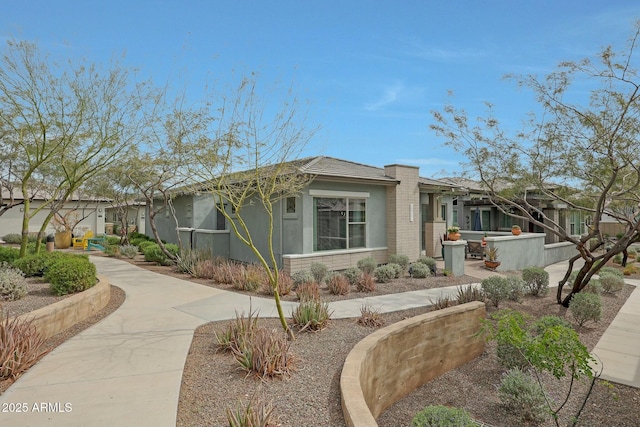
[516, 230]
[484, 240]
[64, 224]
[491, 259]
[453, 233]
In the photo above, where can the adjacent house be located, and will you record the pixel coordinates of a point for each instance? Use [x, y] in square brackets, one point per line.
[87, 212]
[349, 211]
[473, 210]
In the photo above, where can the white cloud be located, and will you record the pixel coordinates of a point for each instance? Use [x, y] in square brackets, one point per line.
[389, 96]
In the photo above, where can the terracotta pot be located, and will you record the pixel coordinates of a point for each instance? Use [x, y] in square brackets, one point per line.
[516, 231]
[491, 264]
[453, 236]
[62, 239]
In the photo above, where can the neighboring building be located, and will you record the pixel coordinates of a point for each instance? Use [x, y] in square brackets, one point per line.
[349, 211]
[134, 212]
[90, 212]
[465, 208]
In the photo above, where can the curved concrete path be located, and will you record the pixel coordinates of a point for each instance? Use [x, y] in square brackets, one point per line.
[127, 369]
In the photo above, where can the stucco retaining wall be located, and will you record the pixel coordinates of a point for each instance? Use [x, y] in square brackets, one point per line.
[334, 260]
[393, 361]
[55, 318]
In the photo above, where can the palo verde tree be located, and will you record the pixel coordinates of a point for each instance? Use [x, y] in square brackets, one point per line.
[65, 121]
[579, 152]
[251, 165]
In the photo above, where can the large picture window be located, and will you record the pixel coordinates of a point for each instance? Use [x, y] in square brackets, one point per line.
[340, 223]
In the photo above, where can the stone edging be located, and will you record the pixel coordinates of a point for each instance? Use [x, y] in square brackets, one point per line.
[393, 361]
[55, 318]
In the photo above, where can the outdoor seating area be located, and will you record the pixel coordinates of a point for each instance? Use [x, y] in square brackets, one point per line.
[474, 249]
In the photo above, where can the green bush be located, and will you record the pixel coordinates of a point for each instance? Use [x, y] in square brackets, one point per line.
[136, 235]
[112, 240]
[442, 416]
[611, 283]
[145, 244]
[401, 260]
[302, 277]
[496, 289]
[617, 259]
[522, 395]
[13, 285]
[71, 274]
[12, 238]
[384, 273]
[353, 275]
[419, 270]
[610, 270]
[36, 265]
[536, 280]
[367, 265]
[137, 241]
[8, 254]
[319, 272]
[153, 253]
[112, 250]
[585, 307]
[546, 322]
[429, 262]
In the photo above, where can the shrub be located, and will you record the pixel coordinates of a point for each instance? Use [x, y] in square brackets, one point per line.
[630, 270]
[38, 264]
[188, 260]
[516, 288]
[366, 283]
[319, 271]
[12, 238]
[128, 251]
[371, 317]
[265, 353]
[71, 274]
[311, 314]
[255, 413]
[496, 289]
[585, 307]
[153, 253]
[338, 284]
[536, 280]
[302, 277]
[137, 241]
[237, 332]
[143, 245]
[546, 322]
[226, 271]
[384, 273]
[367, 265]
[138, 236]
[285, 284]
[353, 275]
[112, 240]
[401, 260]
[397, 268]
[8, 254]
[173, 249]
[13, 285]
[610, 270]
[593, 287]
[112, 250]
[429, 262]
[419, 270]
[522, 395]
[250, 278]
[617, 259]
[469, 293]
[21, 346]
[611, 283]
[443, 301]
[442, 416]
[308, 292]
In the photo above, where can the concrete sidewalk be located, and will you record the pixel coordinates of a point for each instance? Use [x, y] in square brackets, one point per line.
[127, 369]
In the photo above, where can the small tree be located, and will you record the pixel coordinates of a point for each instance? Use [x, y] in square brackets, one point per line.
[267, 148]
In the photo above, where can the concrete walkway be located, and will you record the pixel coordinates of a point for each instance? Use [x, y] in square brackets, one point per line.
[127, 369]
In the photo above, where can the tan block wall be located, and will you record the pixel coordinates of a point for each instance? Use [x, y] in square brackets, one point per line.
[433, 231]
[57, 317]
[334, 261]
[403, 235]
[393, 361]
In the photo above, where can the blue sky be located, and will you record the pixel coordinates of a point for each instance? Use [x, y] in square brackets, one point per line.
[371, 71]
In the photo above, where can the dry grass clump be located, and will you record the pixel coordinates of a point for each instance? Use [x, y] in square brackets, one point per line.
[366, 283]
[371, 317]
[21, 346]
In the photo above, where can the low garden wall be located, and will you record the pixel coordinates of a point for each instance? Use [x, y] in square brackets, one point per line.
[393, 361]
[556, 252]
[518, 252]
[57, 317]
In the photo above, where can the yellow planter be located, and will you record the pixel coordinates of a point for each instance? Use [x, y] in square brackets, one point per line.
[62, 239]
